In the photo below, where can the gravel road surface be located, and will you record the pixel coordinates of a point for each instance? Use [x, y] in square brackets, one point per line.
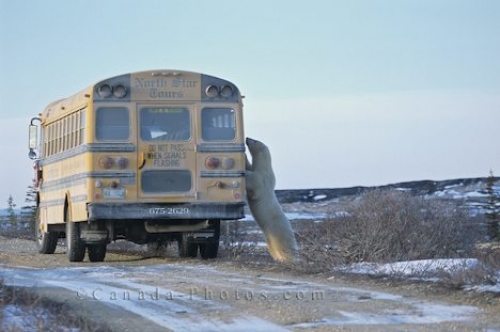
[128, 292]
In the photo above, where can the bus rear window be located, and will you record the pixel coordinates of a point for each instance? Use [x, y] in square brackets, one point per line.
[112, 124]
[218, 124]
[165, 124]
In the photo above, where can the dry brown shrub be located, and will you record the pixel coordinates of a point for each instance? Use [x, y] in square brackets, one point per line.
[240, 240]
[463, 277]
[318, 248]
[489, 254]
[389, 226]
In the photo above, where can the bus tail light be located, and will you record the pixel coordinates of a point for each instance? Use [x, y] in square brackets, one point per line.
[106, 162]
[122, 162]
[212, 162]
[228, 163]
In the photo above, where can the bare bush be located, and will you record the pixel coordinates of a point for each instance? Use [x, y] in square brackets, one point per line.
[318, 249]
[17, 232]
[388, 226]
[24, 310]
[467, 276]
[489, 255]
[243, 241]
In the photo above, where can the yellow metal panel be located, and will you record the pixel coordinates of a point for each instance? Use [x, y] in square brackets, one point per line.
[163, 86]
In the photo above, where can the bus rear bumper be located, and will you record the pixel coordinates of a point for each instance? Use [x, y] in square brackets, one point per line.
[158, 211]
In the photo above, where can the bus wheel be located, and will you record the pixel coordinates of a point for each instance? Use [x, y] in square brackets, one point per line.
[187, 247]
[96, 252]
[75, 245]
[209, 250]
[46, 241]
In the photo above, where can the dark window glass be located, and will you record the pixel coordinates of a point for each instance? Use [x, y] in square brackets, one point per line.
[218, 124]
[112, 124]
[166, 181]
[165, 124]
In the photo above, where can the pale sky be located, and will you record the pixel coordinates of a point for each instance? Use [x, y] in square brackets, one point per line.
[344, 93]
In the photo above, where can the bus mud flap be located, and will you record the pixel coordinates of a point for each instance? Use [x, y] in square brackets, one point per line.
[155, 228]
[94, 236]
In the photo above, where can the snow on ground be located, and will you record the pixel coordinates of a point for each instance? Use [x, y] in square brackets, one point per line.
[294, 216]
[427, 270]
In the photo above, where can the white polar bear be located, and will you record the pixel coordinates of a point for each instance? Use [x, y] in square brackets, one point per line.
[264, 205]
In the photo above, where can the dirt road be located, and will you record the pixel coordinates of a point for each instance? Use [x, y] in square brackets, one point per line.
[131, 293]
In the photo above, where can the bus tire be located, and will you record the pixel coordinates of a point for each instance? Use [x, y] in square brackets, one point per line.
[75, 245]
[187, 247]
[46, 241]
[209, 250]
[96, 252]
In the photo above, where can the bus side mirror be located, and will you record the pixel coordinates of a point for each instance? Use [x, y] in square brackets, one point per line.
[32, 154]
[33, 139]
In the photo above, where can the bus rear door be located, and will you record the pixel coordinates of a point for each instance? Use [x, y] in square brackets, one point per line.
[166, 154]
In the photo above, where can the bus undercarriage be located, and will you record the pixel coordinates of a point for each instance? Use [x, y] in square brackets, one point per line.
[112, 222]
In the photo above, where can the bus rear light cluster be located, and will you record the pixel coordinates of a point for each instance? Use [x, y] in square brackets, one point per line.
[213, 91]
[108, 162]
[214, 163]
[106, 90]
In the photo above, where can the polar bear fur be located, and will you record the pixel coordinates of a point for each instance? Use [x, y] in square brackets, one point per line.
[264, 205]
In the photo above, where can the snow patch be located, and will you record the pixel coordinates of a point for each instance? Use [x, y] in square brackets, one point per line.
[293, 216]
[413, 268]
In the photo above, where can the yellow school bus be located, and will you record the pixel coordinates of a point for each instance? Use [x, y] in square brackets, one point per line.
[150, 157]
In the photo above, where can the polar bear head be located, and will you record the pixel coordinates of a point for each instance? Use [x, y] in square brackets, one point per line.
[261, 157]
[259, 175]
